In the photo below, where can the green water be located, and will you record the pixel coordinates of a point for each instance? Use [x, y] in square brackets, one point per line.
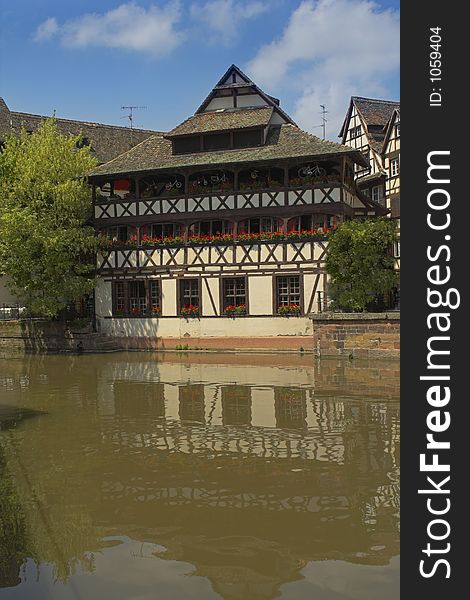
[243, 477]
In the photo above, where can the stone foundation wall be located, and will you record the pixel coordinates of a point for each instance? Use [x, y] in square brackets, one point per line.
[357, 335]
[50, 336]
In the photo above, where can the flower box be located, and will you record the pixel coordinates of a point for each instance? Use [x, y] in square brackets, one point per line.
[156, 311]
[235, 311]
[189, 312]
[289, 310]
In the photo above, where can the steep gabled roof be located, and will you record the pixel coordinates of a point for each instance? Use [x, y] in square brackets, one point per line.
[283, 142]
[375, 115]
[234, 72]
[375, 112]
[223, 120]
[106, 141]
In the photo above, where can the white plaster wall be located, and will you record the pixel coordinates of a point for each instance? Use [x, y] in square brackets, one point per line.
[277, 119]
[207, 308]
[175, 327]
[250, 100]
[260, 292]
[222, 102]
[169, 296]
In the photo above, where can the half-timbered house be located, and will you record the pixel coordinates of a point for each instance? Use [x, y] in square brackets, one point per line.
[373, 127]
[220, 226]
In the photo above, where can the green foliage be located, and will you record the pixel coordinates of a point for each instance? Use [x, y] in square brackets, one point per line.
[46, 249]
[359, 262]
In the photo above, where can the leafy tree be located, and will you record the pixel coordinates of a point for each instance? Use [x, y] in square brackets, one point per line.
[359, 262]
[46, 248]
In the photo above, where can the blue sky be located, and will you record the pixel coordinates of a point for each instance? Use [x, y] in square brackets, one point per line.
[85, 58]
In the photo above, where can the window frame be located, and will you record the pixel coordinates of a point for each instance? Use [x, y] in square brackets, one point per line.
[223, 296]
[380, 194]
[276, 303]
[180, 293]
[151, 300]
[394, 166]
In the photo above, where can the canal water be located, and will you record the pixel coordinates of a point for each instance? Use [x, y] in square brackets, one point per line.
[137, 476]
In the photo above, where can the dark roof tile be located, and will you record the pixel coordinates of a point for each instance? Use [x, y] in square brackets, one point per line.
[223, 120]
[283, 142]
[106, 141]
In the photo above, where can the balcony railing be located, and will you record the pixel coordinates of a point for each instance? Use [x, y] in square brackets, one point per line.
[323, 192]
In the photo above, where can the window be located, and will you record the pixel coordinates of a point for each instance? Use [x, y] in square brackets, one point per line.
[119, 234]
[397, 130]
[394, 167]
[189, 293]
[162, 230]
[234, 292]
[186, 145]
[355, 132]
[155, 296]
[288, 291]
[137, 298]
[377, 193]
[396, 249]
[119, 297]
[247, 139]
[260, 225]
[308, 222]
[216, 141]
[216, 227]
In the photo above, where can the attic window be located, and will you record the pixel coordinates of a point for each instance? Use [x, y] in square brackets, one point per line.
[247, 139]
[186, 144]
[216, 141]
[355, 132]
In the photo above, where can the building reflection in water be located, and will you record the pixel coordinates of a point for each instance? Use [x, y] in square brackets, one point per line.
[247, 481]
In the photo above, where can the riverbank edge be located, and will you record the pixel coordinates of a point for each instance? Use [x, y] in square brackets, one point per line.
[350, 335]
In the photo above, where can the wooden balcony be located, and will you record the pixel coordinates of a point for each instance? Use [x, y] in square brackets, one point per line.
[147, 208]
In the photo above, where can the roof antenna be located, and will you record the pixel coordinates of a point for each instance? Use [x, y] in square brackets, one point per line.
[323, 119]
[130, 116]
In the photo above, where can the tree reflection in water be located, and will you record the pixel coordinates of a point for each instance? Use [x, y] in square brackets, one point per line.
[248, 482]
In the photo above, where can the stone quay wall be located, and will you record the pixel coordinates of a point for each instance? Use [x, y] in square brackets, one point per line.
[357, 335]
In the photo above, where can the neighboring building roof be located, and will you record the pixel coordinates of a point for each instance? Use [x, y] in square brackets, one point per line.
[223, 120]
[376, 114]
[106, 141]
[283, 142]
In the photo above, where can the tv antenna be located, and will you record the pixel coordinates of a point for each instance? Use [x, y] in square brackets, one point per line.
[130, 116]
[323, 119]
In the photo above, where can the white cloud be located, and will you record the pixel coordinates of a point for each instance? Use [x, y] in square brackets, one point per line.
[330, 50]
[128, 26]
[223, 17]
[46, 30]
